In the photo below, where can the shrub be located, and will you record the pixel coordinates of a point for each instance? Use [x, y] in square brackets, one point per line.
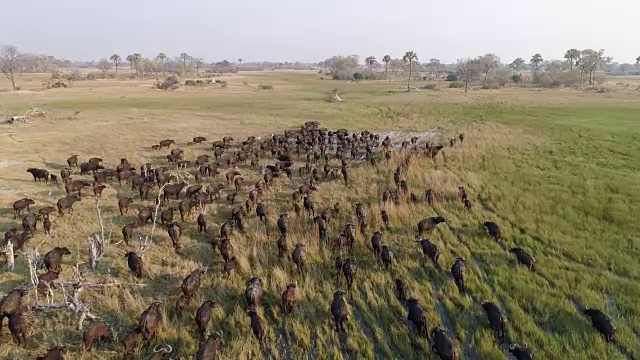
[217, 81]
[265, 87]
[223, 84]
[491, 86]
[452, 77]
[358, 76]
[429, 87]
[245, 83]
[516, 78]
[169, 83]
[190, 83]
[456, 84]
[321, 77]
[18, 88]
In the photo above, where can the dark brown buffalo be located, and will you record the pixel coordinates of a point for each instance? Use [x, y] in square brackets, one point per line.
[75, 186]
[66, 203]
[229, 266]
[18, 329]
[386, 255]
[376, 244]
[494, 230]
[191, 284]
[46, 224]
[72, 161]
[65, 174]
[145, 215]
[144, 190]
[11, 304]
[53, 258]
[210, 348]
[339, 310]
[497, 321]
[282, 224]
[186, 208]
[202, 223]
[524, 258]
[430, 250]
[39, 174]
[520, 352]
[458, 270]
[135, 264]
[20, 205]
[131, 341]
[175, 231]
[282, 245]
[123, 205]
[443, 346]
[54, 353]
[418, 317]
[256, 326]
[349, 269]
[428, 224]
[18, 239]
[429, 195]
[30, 222]
[199, 139]
[173, 190]
[299, 257]
[87, 167]
[289, 298]
[203, 316]
[150, 320]
[94, 334]
[166, 217]
[601, 322]
[400, 291]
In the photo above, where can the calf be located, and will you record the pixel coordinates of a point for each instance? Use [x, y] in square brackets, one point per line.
[20, 205]
[46, 224]
[127, 232]
[209, 349]
[30, 222]
[72, 161]
[349, 269]
[289, 298]
[131, 341]
[387, 256]
[282, 245]
[98, 188]
[73, 186]
[400, 291]
[123, 205]
[299, 257]
[95, 333]
[202, 223]
[39, 174]
[229, 267]
[376, 244]
[385, 218]
[494, 230]
[175, 231]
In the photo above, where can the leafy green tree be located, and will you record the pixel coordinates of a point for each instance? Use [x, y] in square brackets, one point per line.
[572, 56]
[410, 57]
[517, 64]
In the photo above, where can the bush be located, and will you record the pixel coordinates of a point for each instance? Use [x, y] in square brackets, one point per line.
[217, 81]
[190, 83]
[245, 83]
[516, 78]
[265, 87]
[321, 77]
[358, 76]
[429, 87]
[169, 83]
[456, 84]
[224, 84]
[491, 86]
[452, 77]
[18, 88]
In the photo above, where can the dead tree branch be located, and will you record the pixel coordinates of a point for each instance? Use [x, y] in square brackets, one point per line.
[99, 242]
[7, 250]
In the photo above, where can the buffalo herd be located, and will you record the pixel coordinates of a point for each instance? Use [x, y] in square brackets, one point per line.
[305, 154]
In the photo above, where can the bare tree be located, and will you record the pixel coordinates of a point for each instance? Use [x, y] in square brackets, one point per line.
[197, 62]
[469, 70]
[488, 62]
[99, 242]
[9, 63]
[7, 251]
[104, 65]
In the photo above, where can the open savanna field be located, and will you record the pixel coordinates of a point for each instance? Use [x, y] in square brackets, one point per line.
[557, 170]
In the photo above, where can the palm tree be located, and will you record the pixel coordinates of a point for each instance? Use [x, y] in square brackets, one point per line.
[184, 57]
[161, 57]
[137, 59]
[130, 60]
[517, 64]
[386, 59]
[240, 61]
[536, 60]
[116, 60]
[572, 56]
[410, 57]
[370, 61]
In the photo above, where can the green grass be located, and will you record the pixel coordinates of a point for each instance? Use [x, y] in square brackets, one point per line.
[557, 170]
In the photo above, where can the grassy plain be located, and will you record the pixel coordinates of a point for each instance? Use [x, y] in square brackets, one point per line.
[556, 169]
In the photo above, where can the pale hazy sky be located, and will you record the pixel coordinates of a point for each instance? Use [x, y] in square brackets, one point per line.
[290, 30]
